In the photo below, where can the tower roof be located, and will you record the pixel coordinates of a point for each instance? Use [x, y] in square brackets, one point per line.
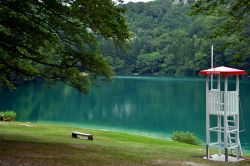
[222, 70]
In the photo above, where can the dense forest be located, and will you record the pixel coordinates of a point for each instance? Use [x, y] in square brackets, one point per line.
[168, 40]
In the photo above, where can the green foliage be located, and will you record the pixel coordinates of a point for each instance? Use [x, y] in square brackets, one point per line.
[181, 42]
[185, 137]
[232, 30]
[235, 14]
[8, 115]
[149, 63]
[57, 40]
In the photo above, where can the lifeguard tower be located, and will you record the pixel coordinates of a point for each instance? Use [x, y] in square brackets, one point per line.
[224, 105]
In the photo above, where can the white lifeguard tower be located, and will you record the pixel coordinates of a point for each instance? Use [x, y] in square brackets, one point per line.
[224, 106]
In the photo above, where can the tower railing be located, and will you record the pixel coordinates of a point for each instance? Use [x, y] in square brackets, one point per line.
[216, 104]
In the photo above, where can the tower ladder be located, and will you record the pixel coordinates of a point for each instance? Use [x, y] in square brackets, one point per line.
[233, 136]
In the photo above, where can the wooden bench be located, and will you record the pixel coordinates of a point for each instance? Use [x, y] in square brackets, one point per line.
[75, 134]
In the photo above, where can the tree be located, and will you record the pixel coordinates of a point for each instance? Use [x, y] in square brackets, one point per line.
[149, 63]
[183, 42]
[57, 40]
[233, 27]
[234, 14]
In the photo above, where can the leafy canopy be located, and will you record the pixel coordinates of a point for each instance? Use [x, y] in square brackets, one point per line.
[234, 16]
[57, 40]
[168, 41]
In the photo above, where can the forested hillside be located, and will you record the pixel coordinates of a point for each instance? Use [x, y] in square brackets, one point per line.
[167, 40]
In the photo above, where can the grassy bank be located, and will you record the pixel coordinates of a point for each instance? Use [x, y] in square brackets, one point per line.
[41, 144]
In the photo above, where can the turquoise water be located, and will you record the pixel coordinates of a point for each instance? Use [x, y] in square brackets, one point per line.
[143, 105]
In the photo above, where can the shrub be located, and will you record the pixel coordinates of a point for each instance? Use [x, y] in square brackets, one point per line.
[8, 115]
[185, 137]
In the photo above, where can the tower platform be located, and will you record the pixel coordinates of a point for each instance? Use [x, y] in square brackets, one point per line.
[216, 157]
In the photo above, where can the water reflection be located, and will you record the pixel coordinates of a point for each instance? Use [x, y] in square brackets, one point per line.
[160, 105]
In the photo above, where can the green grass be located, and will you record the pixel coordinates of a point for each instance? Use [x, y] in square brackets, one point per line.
[44, 144]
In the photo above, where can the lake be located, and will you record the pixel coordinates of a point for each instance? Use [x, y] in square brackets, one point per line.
[154, 106]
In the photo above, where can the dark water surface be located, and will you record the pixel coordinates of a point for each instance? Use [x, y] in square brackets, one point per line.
[145, 105]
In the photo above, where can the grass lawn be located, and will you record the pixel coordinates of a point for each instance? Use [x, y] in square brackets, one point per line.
[44, 144]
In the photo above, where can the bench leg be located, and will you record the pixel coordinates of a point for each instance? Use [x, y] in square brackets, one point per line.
[90, 137]
[74, 135]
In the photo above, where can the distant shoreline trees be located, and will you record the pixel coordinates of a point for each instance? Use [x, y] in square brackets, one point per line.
[167, 40]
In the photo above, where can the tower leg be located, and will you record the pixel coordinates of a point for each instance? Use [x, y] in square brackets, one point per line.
[238, 152]
[219, 133]
[226, 155]
[226, 129]
[207, 151]
[207, 119]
